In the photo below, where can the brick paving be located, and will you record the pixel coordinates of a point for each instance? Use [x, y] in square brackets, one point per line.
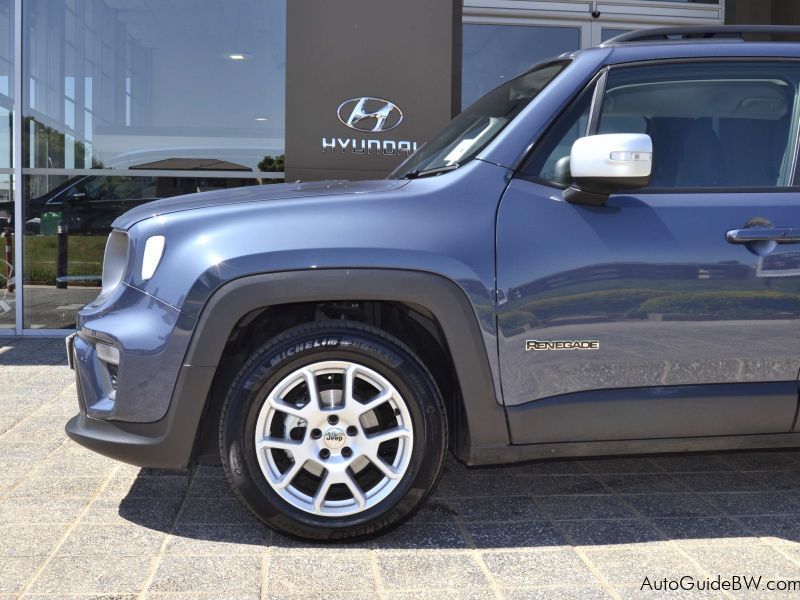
[77, 525]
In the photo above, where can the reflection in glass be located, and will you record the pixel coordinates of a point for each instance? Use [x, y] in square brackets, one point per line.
[142, 82]
[7, 296]
[66, 223]
[607, 33]
[493, 54]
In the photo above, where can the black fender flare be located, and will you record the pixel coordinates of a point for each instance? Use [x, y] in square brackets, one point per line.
[484, 416]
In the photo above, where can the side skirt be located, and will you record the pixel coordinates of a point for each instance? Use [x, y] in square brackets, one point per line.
[496, 455]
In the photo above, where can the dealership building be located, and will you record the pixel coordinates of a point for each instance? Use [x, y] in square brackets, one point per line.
[106, 104]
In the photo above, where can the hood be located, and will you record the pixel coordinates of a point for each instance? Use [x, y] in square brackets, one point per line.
[260, 193]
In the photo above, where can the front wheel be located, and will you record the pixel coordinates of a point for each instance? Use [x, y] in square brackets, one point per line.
[333, 430]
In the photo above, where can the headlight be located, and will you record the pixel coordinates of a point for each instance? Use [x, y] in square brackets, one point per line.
[153, 251]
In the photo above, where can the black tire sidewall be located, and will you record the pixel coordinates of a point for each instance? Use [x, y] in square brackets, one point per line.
[302, 347]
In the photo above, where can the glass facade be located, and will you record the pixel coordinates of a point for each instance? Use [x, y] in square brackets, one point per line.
[493, 54]
[129, 101]
[7, 296]
[120, 102]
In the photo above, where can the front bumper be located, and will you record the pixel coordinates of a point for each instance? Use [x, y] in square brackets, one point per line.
[151, 338]
[165, 444]
[137, 411]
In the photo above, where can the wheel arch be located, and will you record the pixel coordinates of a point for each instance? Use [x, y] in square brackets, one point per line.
[480, 418]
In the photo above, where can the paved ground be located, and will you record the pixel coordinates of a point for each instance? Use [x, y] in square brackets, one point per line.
[73, 524]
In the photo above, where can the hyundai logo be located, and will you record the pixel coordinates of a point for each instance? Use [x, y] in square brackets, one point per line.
[369, 114]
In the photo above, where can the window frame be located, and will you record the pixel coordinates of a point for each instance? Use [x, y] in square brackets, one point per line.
[599, 81]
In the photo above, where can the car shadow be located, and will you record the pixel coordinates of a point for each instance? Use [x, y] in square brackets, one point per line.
[703, 498]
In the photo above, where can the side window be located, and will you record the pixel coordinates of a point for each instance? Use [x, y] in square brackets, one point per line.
[713, 125]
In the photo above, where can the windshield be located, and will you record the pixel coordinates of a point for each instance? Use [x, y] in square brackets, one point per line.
[470, 131]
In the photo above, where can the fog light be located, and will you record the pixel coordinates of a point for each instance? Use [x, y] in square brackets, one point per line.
[107, 353]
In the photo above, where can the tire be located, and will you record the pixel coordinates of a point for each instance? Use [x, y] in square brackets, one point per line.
[369, 387]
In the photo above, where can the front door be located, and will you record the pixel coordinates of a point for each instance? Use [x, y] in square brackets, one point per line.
[641, 319]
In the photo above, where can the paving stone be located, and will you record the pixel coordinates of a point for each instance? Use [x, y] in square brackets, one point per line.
[583, 507]
[215, 511]
[319, 570]
[214, 540]
[540, 568]
[119, 539]
[283, 543]
[422, 535]
[435, 510]
[39, 510]
[761, 461]
[210, 574]
[157, 512]
[779, 480]
[513, 508]
[671, 505]
[720, 482]
[535, 534]
[476, 593]
[29, 539]
[145, 486]
[568, 593]
[547, 467]
[754, 503]
[704, 530]
[745, 560]
[57, 487]
[477, 484]
[15, 572]
[630, 565]
[56, 466]
[690, 463]
[406, 571]
[99, 574]
[642, 484]
[779, 530]
[550, 485]
[604, 533]
[621, 465]
[210, 487]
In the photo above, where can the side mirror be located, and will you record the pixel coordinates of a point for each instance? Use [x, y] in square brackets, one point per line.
[605, 164]
[74, 199]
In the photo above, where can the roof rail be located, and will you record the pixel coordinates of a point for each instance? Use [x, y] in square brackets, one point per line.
[662, 34]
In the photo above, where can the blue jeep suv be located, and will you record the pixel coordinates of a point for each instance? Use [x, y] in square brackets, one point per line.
[595, 258]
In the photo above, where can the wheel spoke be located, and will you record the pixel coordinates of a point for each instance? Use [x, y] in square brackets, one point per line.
[313, 393]
[285, 407]
[384, 467]
[322, 491]
[389, 434]
[289, 475]
[355, 489]
[279, 444]
[349, 382]
[376, 401]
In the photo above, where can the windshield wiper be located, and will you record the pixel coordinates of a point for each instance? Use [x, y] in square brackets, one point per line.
[416, 173]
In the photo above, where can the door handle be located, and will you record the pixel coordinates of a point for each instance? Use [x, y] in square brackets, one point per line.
[780, 235]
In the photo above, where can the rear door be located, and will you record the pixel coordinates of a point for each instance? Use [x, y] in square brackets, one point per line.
[641, 319]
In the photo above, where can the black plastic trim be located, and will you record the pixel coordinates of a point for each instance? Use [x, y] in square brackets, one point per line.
[513, 454]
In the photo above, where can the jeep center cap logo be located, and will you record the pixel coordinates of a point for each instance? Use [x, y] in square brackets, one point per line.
[334, 438]
[369, 114]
